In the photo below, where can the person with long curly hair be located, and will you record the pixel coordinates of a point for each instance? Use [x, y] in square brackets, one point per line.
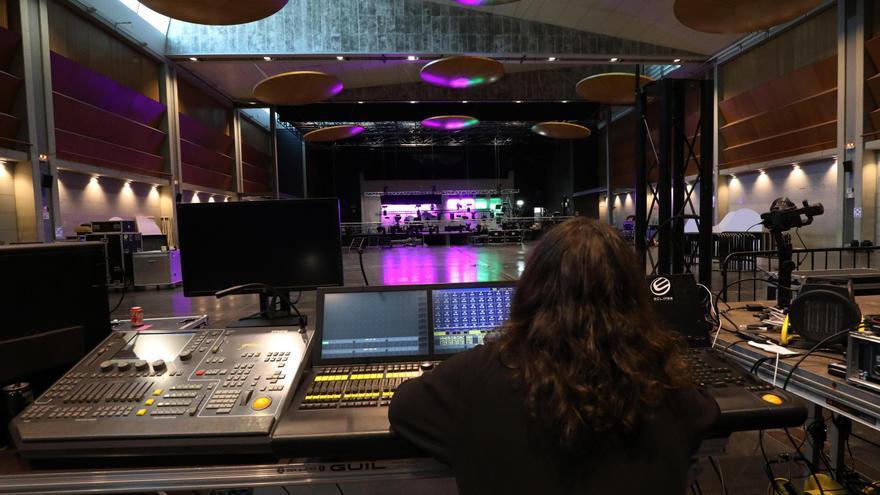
[582, 391]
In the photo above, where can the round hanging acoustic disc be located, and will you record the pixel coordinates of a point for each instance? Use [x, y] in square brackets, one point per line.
[216, 12]
[484, 3]
[739, 16]
[561, 130]
[612, 88]
[462, 71]
[297, 88]
[450, 122]
[334, 133]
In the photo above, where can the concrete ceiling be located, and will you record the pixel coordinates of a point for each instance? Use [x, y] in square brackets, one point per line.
[649, 21]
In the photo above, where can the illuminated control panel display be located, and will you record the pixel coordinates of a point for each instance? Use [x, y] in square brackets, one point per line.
[463, 317]
[375, 324]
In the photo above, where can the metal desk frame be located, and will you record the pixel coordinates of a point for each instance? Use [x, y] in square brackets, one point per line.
[849, 402]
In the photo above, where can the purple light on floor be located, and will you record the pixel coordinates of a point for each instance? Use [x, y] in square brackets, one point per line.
[430, 265]
[355, 130]
[335, 90]
[470, 2]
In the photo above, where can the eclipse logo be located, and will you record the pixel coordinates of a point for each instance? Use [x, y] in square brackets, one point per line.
[661, 286]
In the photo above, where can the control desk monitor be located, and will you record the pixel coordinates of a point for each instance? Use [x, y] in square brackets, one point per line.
[288, 244]
[393, 323]
[55, 307]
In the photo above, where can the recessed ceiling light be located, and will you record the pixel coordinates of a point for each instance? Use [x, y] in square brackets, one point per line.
[551, 59]
[464, 101]
[518, 101]
[267, 59]
[360, 103]
[564, 101]
[677, 60]
[615, 59]
[340, 57]
[193, 59]
[413, 101]
[412, 57]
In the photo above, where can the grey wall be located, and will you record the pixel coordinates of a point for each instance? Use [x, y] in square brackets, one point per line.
[393, 27]
[84, 200]
[816, 182]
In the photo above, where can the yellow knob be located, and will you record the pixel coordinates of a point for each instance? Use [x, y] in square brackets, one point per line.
[771, 398]
[261, 403]
[141, 412]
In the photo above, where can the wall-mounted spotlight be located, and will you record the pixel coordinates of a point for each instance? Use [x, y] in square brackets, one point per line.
[267, 59]
[412, 58]
[340, 58]
[614, 59]
[193, 59]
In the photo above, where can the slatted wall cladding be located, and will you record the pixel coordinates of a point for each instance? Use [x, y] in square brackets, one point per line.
[872, 127]
[205, 155]
[10, 84]
[101, 122]
[788, 116]
[256, 170]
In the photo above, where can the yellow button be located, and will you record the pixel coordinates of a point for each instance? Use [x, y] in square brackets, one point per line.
[158, 391]
[149, 402]
[261, 403]
[141, 412]
[773, 399]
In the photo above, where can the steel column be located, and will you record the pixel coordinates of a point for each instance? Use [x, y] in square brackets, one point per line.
[273, 132]
[609, 206]
[641, 226]
[677, 169]
[664, 179]
[706, 177]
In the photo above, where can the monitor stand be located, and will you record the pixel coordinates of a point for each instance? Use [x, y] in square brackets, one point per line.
[278, 315]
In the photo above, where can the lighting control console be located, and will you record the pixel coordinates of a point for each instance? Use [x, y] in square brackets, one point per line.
[167, 392]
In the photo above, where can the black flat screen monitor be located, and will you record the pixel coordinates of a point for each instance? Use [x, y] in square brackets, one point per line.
[53, 298]
[289, 244]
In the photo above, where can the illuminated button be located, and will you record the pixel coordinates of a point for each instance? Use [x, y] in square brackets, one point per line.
[158, 391]
[149, 402]
[141, 412]
[771, 398]
[261, 403]
[200, 372]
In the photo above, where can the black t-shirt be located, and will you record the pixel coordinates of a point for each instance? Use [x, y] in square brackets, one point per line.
[469, 414]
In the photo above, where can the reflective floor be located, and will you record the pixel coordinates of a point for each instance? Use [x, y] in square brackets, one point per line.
[742, 465]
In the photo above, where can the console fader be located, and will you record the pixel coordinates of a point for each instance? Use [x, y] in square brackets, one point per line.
[167, 392]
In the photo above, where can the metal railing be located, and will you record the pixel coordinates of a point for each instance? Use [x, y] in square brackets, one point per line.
[756, 267]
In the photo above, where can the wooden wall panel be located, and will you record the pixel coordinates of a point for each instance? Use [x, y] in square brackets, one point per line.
[872, 81]
[87, 44]
[202, 107]
[256, 135]
[790, 115]
[800, 46]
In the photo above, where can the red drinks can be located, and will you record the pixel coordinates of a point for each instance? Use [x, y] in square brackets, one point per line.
[137, 316]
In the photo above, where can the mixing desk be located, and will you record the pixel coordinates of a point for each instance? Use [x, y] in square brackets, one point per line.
[373, 339]
[358, 386]
[167, 392]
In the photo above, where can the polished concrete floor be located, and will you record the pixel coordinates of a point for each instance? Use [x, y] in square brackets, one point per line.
[742, 464]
